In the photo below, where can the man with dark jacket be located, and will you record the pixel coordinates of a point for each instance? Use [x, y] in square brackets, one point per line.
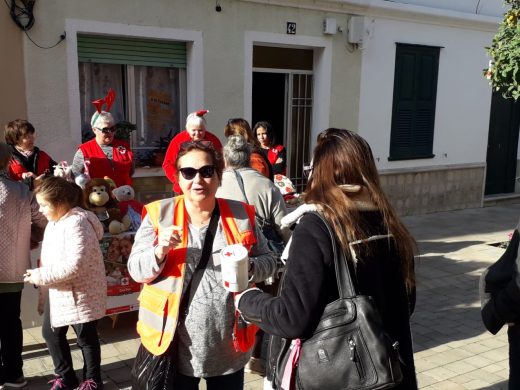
[500, 300]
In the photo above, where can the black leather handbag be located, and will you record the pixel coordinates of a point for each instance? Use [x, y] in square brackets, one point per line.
[349, 348]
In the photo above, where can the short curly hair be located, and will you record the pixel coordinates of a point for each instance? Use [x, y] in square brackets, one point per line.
[17, 129]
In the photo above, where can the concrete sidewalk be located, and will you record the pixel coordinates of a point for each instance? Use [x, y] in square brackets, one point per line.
[452, 348]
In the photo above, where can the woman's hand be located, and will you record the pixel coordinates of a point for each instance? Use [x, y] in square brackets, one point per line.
[168, 239]
[30, 277]
[26, 175]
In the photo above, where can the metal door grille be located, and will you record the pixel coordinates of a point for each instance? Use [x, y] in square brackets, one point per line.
[299, 126]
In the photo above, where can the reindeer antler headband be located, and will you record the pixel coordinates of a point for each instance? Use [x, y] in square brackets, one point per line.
[107, 101]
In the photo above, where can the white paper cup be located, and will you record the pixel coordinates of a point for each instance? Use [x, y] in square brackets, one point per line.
[234, 262]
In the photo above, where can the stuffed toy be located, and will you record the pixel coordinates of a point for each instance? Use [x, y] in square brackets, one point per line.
[62, 169]
[130, 207]
[99, 200]
[83, 178]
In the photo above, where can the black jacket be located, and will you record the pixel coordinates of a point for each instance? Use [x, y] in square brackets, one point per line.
[500, 288]
[310, 284]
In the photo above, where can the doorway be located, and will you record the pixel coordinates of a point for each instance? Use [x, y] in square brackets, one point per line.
[269, 100]
[501, 157]
[282, 93]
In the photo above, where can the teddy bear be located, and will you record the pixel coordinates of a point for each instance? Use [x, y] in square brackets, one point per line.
[99, 200]
[130, 207]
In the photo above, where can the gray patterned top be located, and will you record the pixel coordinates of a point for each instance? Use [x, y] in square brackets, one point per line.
[205, 345]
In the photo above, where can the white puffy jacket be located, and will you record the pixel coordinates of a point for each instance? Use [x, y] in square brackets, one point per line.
[72, 268]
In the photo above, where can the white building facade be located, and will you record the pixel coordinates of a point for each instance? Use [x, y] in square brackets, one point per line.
[304, 65]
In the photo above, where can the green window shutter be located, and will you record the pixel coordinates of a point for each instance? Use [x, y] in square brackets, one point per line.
[131, 51]
[415, 96]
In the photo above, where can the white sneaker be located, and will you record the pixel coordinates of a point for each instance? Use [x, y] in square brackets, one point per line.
[19, 382]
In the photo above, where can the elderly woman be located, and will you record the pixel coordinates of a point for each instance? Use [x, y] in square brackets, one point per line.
[258, 160]
[243, 183]
[21, 225]
[183, 299]
[29, 163]
[240, 182]
[106, 155]
[195, 131]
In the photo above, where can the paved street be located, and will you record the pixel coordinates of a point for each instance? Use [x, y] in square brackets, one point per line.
[452, 349]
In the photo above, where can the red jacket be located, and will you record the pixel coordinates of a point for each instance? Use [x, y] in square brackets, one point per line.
[118, 169]
[42, 163]
[275, 152]
[173, 150]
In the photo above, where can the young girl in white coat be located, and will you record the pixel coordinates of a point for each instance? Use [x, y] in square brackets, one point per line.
[72, 270]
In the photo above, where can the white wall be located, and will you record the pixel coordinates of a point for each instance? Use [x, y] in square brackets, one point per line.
[463, 95]
[481, 7]
[217, 62]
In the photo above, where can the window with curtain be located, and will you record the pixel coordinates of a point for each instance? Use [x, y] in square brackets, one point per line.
[415, 96]
[148, 77]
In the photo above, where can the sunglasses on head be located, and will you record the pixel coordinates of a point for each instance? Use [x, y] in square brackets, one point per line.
[201, 144]
[107, 130]
[189, 173]
[307, 169]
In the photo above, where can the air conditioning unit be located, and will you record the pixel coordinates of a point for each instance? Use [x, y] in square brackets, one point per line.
[330, 26]
[355, 29]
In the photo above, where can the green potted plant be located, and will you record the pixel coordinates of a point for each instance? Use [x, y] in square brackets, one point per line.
[161, 145]
[124, 130]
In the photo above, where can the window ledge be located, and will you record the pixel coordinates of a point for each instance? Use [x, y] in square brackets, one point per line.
[148, 171]
[417, 157]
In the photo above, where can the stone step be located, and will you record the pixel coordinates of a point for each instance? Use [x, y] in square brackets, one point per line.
[501, 199]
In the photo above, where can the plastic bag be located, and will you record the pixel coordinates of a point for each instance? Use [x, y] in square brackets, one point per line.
[151, 372]
[274, 241]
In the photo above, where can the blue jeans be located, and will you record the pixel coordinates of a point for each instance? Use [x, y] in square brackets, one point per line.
[513, 335]
[233, 381]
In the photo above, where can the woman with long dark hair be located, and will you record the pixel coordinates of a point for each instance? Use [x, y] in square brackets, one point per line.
[344, 188]
[258, 160]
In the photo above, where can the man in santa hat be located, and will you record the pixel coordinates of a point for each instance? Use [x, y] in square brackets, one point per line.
[195, 131]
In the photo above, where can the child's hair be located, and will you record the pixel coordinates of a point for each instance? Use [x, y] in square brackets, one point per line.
[58, 191]
[16, 129]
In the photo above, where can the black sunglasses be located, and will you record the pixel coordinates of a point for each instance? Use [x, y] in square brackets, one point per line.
[107, 130]
[206, 172]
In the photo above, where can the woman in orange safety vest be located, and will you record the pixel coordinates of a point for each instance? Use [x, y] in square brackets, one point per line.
[210, 340]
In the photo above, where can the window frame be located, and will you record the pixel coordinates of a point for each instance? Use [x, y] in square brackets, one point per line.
[413, 118]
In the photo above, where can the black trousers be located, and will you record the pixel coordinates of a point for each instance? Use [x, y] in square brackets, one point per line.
[11, 337]
[513, 335]
[59, 349]
[233, 381]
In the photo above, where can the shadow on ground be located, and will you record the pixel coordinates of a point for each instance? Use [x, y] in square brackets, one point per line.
[497, 386]
[448, 305]
[118, 328]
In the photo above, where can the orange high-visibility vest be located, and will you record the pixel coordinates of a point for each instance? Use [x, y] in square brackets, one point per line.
[159, 300]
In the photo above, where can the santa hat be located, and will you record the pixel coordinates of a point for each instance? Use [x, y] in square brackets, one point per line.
[197, 115]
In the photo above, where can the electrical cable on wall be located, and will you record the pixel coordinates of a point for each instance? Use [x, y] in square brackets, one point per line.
[476, 8]
[21, 12]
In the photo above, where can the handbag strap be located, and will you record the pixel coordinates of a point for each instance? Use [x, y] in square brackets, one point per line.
[240, 181]
[346, 287]
[206, 253]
